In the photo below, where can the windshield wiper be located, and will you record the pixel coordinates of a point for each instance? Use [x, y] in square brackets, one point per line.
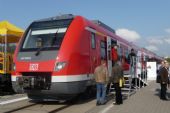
[55, 38]
[38, 51]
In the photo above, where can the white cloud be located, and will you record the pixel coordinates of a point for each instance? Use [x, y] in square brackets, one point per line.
[155, 41]
[167, 30]
[152, 48]
[128, 34]
[167, 40]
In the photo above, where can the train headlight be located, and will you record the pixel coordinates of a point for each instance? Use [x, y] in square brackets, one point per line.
[14, 67]
[59, 66]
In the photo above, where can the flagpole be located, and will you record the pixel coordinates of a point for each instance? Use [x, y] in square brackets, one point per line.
[5, 52]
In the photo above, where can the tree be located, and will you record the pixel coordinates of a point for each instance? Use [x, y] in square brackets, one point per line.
[168, 59]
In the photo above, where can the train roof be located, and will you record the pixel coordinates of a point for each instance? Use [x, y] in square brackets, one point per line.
[98, 22]
[101, 24]
[71, 16]
[60, 17]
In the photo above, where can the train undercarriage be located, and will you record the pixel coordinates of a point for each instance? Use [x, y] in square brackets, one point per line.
[38, 86]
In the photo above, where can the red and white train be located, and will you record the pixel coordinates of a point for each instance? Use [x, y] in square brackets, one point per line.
[56, 57]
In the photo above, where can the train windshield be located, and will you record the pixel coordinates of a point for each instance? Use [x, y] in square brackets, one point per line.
[46, 35]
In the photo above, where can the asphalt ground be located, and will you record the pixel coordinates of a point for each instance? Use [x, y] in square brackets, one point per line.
[144, 101]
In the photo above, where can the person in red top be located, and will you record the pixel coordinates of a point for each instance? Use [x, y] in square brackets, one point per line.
[125, 64]
[114, 54]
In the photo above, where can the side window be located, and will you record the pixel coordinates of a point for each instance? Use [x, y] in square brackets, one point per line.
[93, 41]
[126, 54]
[120, 53]
[103, 49]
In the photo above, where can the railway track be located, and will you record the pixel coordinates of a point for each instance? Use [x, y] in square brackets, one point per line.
[79, 105]
[38, 107]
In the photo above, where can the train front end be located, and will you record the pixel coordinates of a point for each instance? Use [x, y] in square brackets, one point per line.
[36, 60]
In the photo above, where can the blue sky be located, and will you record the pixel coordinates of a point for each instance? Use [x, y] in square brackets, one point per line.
[144, 22]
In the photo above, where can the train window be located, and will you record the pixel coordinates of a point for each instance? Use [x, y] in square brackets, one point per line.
[93, 41]
[120, 52]
[114, 42]
[47, 35]
[126, 53]
[44, 38]
[103, 49]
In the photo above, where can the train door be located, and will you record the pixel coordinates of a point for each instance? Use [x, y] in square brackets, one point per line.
[93, 52]
[114, 52]
[139, 63]
[109, 57]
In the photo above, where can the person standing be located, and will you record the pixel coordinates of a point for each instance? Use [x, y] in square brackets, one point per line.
[164, 81]
[101, 78]
[132, 62]
[114, 54]
[117, 74]
[158, 78]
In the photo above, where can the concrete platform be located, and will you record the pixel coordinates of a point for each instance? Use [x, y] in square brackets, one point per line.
[12, 98]
[144, 101]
